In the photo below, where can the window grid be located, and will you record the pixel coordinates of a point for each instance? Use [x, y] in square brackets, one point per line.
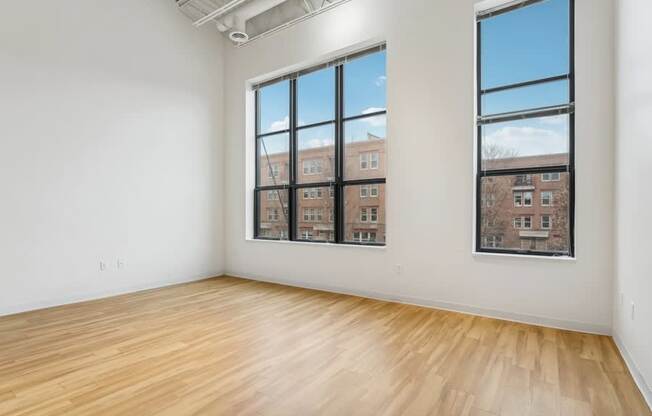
[338, 184]
[549, 173]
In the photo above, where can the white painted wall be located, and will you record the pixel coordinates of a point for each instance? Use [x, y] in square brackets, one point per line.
[430, 199]
[633, 170]
[110, 147]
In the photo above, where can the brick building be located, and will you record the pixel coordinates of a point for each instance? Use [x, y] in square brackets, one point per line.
[526, 212]
[364, 213]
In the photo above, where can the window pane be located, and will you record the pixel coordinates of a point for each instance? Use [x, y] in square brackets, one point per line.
[273, 214]
[364, 218]
[364, 148]
[525, 98]
[316, 154]
[526, 143]
[525, 227]
[274, 107]
[316, 97]
[315, 216]
[526, 44]
[273, 159]
[364, 85]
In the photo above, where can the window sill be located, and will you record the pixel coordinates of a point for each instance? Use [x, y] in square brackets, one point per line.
[525, 256]
[317, 244]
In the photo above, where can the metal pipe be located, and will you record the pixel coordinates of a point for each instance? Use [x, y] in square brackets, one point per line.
[219, 12]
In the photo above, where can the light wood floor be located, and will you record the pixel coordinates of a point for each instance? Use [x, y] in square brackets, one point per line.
[230, 346]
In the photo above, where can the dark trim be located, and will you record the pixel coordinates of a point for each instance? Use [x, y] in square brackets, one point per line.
[538, 112]
[353, 182]
[557, 78]
[526, 114]
[571, 127]
[335, 62]
[292, 197]
[338, 183]
[497, 11]
[319, 124]
[359, 116]
[526, 252]
[272, 133]
[525, 171]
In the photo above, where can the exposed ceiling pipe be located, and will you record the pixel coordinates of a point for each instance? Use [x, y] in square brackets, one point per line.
[237, 18]
[309, 7]
[219, 12]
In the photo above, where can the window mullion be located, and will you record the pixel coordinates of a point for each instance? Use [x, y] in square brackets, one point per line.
[292, 215]
[339, 154]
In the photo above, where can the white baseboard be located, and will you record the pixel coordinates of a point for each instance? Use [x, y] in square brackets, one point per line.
[640, 381]
[87, 296]
[454, 307]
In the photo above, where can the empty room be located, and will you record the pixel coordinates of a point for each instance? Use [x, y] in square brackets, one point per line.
[325, 207]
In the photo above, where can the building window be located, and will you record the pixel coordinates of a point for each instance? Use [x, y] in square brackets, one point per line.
[521, 223]
[493, 241]
[312, 193]
[364, 215]
[364, 236]
[272, 214]
[312, 167]
[312, 214]
[546, 222]
[550, 177]
[522, 199]
[525, 84]
[546, 198]
[301, 119]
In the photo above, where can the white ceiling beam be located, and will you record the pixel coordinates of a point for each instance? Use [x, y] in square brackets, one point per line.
[219, 12]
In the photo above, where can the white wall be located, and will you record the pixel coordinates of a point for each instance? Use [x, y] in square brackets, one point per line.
[110, 147]
[429, 205]
[633, 171]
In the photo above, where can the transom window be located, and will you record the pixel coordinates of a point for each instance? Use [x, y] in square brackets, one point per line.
[321, 145]
[525, 126]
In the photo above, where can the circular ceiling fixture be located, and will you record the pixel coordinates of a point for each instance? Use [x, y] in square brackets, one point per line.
[238, 37]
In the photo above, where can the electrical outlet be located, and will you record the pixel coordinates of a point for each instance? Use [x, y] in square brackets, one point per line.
[120, 263]
[398, 268]
[102, 266]
[632, 311]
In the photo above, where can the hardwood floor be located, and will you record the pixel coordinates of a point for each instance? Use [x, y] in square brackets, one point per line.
[229, 346]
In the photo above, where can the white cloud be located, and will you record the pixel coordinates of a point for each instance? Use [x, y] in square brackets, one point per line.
[380, 81]
[528, 141]
[319, 143]
[554, 120]
[371, 110]
[280, 124]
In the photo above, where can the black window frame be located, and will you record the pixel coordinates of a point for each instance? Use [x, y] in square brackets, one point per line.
[565, 109]
[339, 183]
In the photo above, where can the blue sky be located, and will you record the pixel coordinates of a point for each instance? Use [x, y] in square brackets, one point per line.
[526, 44]
[364, 92]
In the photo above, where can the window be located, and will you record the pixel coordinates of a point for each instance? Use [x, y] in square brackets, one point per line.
[550, 177]
[364, 236]
[312, 214]
[522, 199]
[312, 193]
[301, 120]
[525, 125]
[312, 167]
[493, 241]
[369, 191]
[523, 223]
[546, 222]
[272, 214]
[546, 198]
[364, 215]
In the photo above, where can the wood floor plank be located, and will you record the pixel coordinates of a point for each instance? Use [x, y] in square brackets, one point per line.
[229, 346]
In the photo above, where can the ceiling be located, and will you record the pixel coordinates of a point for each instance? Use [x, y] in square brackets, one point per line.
[245, 20]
